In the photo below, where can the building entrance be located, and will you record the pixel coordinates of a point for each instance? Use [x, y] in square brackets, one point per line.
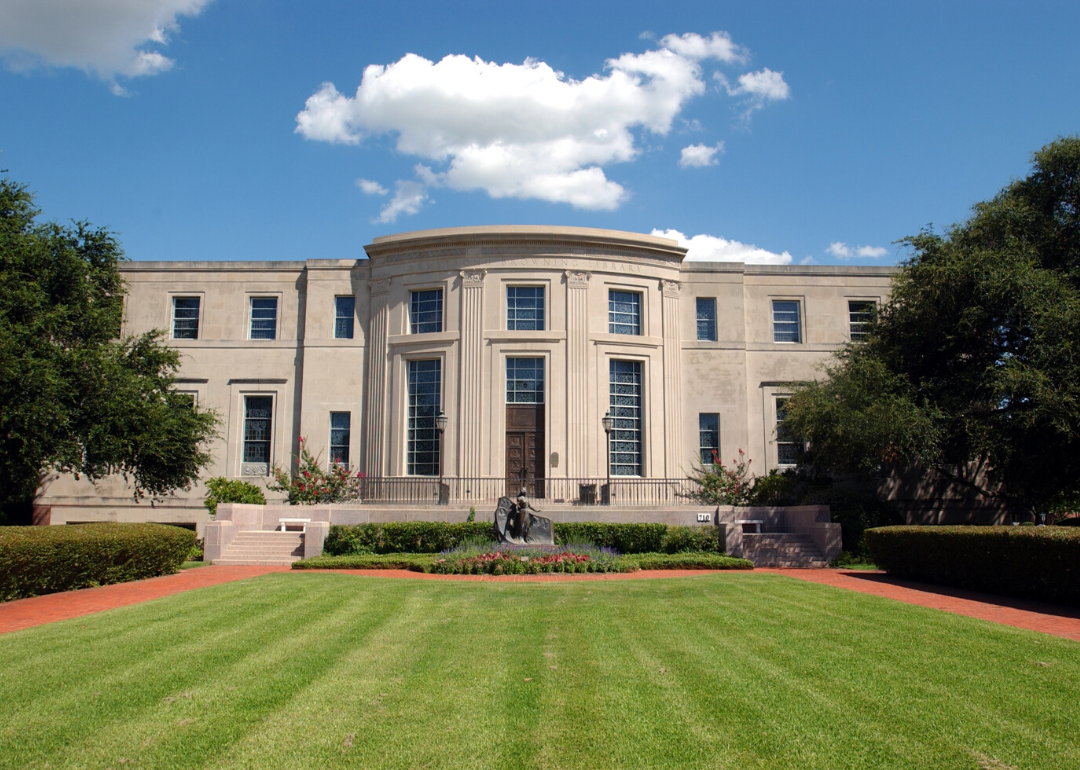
[525, 449]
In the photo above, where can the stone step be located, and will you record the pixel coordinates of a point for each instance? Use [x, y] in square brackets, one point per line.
[256, 562]
[781, 549]
[263, 548]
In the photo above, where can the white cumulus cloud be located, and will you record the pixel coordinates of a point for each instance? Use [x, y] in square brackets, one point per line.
[409, 197]
[758, 88]
[371, 188]
[520, 130]
[107, 38]
[841, 250]
[699, 155]
[873, 252]
[709, 248]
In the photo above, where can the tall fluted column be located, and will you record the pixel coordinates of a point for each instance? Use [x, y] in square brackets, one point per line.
[375, 409]
[673, 417]
[577, 374]
[470, 434]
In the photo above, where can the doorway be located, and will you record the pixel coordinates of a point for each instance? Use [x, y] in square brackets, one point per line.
[525, 449]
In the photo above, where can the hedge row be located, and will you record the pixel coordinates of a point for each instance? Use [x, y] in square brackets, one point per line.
[1029, 562]
[435, 537]
[44, 560]
[424, 562]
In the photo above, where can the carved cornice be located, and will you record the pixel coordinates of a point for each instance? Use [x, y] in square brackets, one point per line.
[670, 288]
[379, 286]
[472, 278]
[578, 279]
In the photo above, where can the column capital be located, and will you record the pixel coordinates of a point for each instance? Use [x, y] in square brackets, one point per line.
[670, 288]
[472, 277]
[379, 286]
[577, 279]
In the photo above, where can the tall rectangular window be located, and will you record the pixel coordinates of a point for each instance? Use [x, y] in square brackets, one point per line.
[859, 316]
[425, 311]
[185, 318]
[263, 318]
[344, 315]
[258, 425]
[524, 380]
[706, 319]
[624, 312]
[785, 314]
[525, 308]
[709, 438]
[624, 443]
[423, 444]
[340, 429]
[787, 449]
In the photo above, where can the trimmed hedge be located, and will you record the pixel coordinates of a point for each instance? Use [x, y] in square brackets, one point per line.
[689, 561]
[44, 560]
[1028, 562]
[423, 562]
[417, 562]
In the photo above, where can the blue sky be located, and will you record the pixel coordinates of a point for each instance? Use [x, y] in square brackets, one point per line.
[808, 132]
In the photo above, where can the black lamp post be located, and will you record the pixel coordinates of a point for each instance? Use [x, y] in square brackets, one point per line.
[608, 422]
[440, 423]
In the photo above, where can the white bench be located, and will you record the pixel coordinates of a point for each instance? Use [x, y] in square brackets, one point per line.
[284, 524]
[756, 522]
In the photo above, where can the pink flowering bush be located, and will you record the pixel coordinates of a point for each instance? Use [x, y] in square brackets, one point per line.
[720, 485]
[312, 485]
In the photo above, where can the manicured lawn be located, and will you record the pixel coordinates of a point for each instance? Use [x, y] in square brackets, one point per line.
[310, 670]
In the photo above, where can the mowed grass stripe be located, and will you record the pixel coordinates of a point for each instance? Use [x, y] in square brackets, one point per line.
[339, 671]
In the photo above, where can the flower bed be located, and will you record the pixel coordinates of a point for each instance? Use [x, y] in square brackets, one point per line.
[528, 562]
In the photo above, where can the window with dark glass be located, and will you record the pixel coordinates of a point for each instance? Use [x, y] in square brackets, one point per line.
[706, 319]
[624, 442]
[787, 449]
[423, 443]
[859, 316]
[185, 319]
[258, 422]
[344, 314]
[340, 428]
[425, 311]
[263, 318]
[525, 308]
[786, 321]
[709, 438]
[624, 312]
[524, 380]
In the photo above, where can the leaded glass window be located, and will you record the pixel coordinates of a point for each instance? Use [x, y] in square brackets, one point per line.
[185, 320]
[263, 318]
[425, 398]
[525, 308]
[624, 312]
[340, 430]
[524, 380]
[425, 312]
[786, 321]
[709, 438]
[344, 316]
[706, 319]
[258, 425]
[787, 449]
[859, 316]
[624, 443]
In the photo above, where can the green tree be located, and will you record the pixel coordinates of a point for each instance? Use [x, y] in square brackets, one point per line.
[76, 396]
[972, 368]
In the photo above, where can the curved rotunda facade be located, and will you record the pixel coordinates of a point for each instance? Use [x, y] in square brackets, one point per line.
[523, 338]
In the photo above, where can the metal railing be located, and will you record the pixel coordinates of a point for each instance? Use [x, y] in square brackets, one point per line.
[631, 491]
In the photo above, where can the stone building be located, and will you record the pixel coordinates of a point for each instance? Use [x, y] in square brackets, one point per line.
[518, 340]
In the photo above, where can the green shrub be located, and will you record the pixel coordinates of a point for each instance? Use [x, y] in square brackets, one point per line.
[221, 490]
[196, 552]
[403, 537]
[1030, 562]
[688, 561]
[624, 538]
[44, 560]
[417, 562]
[690, 540]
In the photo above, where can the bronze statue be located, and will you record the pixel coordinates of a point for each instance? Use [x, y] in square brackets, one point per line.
[517, 525]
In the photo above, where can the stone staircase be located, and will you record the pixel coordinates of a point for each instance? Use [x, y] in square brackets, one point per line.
[263, 548]
[782, 550]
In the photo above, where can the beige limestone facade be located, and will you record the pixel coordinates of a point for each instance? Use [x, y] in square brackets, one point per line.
[523, 337]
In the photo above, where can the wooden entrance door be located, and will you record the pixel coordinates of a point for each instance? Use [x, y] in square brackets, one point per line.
[525, 449]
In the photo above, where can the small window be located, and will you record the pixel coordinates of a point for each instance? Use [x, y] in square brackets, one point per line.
[185, 318]
[425, 312]
[709, 438]
[786, 321]
[264, 318]
[860, 314]
[340, 429]
[525, 308]
[344, 314]
[624, 312]
[787, 449]
[258, 424]
[524, 380]
[706, 319]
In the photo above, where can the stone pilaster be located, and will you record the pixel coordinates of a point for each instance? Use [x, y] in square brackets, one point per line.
[375, 409]
[673, 416]
[471, 418]
[577, 373]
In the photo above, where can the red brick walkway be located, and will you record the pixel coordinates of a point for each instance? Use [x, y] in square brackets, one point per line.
[38, 610]
[1034, 616]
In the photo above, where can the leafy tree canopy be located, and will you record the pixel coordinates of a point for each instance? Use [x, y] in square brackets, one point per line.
[75, 395]
[972, 367]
